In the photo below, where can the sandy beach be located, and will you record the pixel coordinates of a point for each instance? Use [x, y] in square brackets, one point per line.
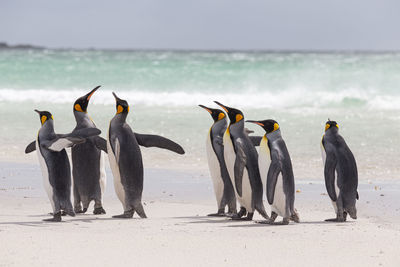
[177, 232]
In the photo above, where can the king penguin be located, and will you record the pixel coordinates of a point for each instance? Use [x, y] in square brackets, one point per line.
[54, 162]
[126, 159]
[276, 173]
[223, 188]
[88, 169]
[241, 159]
[340, 171]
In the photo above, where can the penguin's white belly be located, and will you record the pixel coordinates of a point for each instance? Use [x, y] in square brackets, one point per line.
[215, 171]
[119, 188]
[45, 173]
[279, 203]
[103, 179]
[230, 157]
[264, 162]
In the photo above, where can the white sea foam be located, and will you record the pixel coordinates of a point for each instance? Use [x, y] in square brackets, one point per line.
[290, 98]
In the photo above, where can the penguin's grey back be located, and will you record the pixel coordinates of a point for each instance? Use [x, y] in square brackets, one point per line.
[87, 167]
[278, 145]
[58, 168]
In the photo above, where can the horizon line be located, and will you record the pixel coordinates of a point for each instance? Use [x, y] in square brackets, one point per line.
[5, 45]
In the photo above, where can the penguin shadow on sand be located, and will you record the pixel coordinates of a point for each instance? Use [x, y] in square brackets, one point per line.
[321, 222]
[210, 220]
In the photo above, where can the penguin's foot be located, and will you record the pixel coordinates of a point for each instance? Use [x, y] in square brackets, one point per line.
[295, 217]
[230, 214]
[99, 210]
[249, 217]
[84, 210]
[216, 215]
[285, 221]
[241, 212]
[336, 220]
[79, 211]
[265, 222]
[237, 218]
[70, 213]
[63, 213]
[56, 218]
[125, 215]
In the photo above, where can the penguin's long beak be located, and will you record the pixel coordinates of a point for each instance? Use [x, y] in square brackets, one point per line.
[256, 122]
[206, 108]
[89, 95]
[222, 106]
[116, 97]
[37, 111]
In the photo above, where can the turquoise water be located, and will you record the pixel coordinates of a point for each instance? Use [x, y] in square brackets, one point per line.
[299, 90]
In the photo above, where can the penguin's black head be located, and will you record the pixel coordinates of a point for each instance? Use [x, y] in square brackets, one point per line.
[268, 125]
[121, 105]
[81, 103]
[215, 113]
[331, 125]
[234, 115]
[44, 116]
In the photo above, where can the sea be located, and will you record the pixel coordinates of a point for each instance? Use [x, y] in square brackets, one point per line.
[300, 90]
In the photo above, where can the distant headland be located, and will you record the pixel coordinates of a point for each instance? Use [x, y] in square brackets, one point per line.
[4, 45]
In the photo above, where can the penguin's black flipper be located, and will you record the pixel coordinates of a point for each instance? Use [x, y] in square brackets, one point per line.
[30, 148]
[61, 142]
[83, 133]
[148, 140]
[256, 140]
[329, 172]
[67, 140]
[100, 143]
[240, 164]
[272, 176]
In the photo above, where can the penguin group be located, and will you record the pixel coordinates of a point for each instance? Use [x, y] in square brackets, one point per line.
[240, 173]
[88, 169]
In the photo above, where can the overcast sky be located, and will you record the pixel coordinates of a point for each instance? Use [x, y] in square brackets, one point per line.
[203, 24]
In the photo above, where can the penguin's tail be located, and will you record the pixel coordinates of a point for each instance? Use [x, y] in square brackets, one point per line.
[295, 216]
[138, 207]
[66, 206]
[260, 208]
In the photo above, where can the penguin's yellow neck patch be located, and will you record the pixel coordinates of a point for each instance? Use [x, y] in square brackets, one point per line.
[78, 108]
[327, 126]
[276, 126]
[120, 109]
[239, 117]
[221, 116]
[43, 119]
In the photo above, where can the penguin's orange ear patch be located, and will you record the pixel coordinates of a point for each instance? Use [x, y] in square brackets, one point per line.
[239, 117]
[276, 126]
[78, 107]
[43, 119]
[327, 126]
[337, 125]
[119, 109]
[221, 116]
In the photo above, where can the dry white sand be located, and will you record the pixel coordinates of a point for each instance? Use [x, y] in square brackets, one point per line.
[178, 234]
